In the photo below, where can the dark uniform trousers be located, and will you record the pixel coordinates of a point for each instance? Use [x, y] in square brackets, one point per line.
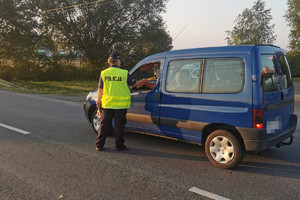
[106, 126]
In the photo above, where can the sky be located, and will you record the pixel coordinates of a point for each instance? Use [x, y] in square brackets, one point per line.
[204, 22]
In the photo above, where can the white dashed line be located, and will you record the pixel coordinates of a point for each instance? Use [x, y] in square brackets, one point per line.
[207, 194]
[14, 129]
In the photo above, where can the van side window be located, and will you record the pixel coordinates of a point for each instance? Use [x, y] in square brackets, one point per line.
[268, 72]
[183, 76]
[151, 72]
[285, 72]
[223, 75]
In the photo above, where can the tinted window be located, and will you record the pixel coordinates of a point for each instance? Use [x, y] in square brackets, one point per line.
[269, 74]
[285, 72]
[223, 75]
[183, 76]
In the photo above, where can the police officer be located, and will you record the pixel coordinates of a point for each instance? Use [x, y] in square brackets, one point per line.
[114, 98]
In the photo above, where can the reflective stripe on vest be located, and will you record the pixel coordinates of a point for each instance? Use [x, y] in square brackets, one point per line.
[116, 94]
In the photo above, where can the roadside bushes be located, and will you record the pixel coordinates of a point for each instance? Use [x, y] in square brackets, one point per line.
[70, 69]
[294, 60]
[5, 72]
[47, 71]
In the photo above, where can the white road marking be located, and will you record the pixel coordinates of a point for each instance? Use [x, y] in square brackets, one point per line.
[207, 194]
[14, 129]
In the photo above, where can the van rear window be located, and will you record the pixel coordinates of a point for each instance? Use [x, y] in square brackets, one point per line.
[285, 72]
[268, 72]
[223, 75]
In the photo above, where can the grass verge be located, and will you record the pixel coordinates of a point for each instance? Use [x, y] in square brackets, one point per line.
[60, 87]
[54, 87]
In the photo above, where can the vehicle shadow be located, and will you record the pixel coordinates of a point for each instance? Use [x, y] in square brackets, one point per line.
[272, 162]
[278, 170]
[143, 152]
[150, 146]
[288, 170]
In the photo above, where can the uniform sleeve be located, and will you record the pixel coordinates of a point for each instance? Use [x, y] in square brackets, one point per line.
[130, 80]
[100, 84]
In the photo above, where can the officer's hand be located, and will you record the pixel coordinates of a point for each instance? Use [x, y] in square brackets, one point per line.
[145, 80]
[142, 82]
[98, 103]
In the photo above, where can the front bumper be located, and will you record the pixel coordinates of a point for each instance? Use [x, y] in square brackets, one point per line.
[257, 140]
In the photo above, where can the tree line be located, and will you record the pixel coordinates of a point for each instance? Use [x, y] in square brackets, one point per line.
[89, 30]
[253, 26]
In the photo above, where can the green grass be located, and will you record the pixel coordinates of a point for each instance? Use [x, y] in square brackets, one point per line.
[60, 87]
[297, 79]
[54, 87]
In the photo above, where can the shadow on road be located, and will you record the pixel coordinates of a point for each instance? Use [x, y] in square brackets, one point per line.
[278, 170]
[151, 153]
[271, 162]
[283, 162]
[150, 146]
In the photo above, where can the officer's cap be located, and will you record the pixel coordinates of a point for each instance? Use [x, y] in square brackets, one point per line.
[115, 55]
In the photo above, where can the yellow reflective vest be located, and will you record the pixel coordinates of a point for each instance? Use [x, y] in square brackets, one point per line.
[116, 94]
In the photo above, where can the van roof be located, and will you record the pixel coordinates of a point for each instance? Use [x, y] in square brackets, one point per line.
[220, 49]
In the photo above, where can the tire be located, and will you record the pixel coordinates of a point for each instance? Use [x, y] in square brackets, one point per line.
[95, 121]
[224, 149]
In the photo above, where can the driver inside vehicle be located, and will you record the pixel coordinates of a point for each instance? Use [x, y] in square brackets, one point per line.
[181, 81]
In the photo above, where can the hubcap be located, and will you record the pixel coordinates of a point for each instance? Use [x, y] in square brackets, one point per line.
[221, 149]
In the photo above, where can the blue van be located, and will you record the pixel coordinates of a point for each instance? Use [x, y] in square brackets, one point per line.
[229, 99]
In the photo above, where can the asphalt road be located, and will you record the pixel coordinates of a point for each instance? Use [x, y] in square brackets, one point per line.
[51, 155]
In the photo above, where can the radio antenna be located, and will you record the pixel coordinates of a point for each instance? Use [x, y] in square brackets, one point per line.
[180, 32]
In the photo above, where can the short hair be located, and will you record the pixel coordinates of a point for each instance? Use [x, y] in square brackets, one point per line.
[112, 61]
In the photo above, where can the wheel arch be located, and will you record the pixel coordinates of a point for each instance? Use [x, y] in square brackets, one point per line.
[208, 129]
[90, 112]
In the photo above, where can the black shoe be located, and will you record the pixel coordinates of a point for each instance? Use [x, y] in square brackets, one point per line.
[122, 148]
[99, 148]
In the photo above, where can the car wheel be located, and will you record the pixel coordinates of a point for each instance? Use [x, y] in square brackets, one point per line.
[95, 120]
[224, 149]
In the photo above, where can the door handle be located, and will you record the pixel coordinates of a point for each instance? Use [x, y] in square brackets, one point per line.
[158, 95]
